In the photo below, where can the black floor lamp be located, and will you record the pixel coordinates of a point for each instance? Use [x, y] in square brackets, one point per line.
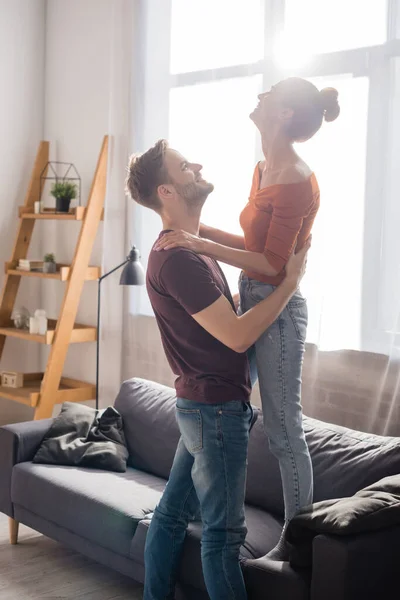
[132, 274]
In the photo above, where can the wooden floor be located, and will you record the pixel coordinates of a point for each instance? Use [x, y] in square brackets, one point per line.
[38, 568]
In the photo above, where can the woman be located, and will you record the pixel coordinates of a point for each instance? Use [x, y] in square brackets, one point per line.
[278, 218]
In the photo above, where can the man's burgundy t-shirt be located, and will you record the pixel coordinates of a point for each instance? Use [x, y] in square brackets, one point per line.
[181, 283]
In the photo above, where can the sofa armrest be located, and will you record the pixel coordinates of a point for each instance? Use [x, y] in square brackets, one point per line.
[359, 566]
[266, 578]
[18, 443]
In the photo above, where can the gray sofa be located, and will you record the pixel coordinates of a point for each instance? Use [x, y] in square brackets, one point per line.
[105, 515]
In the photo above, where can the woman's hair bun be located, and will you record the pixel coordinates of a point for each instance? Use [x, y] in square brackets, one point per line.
[330, 105]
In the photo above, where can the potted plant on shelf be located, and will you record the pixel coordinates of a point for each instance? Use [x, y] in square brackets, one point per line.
[49, 263]
[63, 191]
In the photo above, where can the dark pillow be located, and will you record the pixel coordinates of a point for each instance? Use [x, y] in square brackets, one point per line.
[82, 436]
[373, 508]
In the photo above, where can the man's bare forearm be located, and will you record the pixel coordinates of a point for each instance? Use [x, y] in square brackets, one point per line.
[256, 320]
[240, 332]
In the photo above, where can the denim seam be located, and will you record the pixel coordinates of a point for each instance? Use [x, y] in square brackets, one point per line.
[171, 576]
[299, 336]
[283, 413]
[227, 510]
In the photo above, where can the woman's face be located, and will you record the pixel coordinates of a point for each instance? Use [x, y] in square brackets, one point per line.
[270, 112]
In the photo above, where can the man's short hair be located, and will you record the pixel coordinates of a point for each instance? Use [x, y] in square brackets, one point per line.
[145, 173]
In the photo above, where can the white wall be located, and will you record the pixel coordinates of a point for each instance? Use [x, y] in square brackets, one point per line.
[56, 86]
[77, 91]
[22, 60]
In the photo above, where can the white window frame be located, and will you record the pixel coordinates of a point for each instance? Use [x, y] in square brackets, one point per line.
[151, 108]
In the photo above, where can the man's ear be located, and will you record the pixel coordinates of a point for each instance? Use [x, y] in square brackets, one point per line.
[165, 192]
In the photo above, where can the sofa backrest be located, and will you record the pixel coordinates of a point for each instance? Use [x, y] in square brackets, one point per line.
[344, 461]
[151, 431]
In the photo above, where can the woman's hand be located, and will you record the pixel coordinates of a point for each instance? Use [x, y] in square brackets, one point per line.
[182, 239]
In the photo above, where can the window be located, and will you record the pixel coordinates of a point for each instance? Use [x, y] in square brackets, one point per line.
[338, 159]
[209, 123]
[202, 66]
[219, 30]
[318, 26]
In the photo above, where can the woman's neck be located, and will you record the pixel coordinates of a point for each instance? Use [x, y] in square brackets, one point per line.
[278, 152]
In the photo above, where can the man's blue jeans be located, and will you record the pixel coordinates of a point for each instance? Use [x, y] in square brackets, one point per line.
[208, 476]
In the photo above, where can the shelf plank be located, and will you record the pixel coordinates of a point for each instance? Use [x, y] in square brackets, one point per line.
[70, 390]
[75, 214]
[83, 333]
[73, 390]
[80, 333]
[28, 394]
[21, 273]
[62, 274]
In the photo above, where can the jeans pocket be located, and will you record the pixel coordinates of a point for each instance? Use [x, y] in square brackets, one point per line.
[258, 290]
[233, 407]
[243, 292]
[235, 419]
[191, 427]
[298, 313]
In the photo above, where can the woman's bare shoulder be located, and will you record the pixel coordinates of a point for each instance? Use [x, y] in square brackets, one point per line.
[295, 173]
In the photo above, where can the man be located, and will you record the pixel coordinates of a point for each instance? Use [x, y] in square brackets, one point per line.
[205, 343]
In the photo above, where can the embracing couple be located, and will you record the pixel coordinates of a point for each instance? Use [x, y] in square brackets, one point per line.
[218, 352]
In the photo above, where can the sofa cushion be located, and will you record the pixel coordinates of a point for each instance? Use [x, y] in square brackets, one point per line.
[151, 431]
[101, 506]
[264, 484]
[152, 434]
[263, 532]
[344, 462]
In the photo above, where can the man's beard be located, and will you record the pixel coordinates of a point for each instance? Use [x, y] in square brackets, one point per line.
[194, 194]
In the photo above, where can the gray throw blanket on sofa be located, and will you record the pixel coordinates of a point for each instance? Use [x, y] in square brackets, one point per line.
[375, 507]
[82, 436]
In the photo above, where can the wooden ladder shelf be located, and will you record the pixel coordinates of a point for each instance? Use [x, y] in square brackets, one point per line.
[42, 391]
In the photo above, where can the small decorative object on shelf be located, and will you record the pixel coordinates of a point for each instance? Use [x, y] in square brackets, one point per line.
[62, 181]
[21, 316]
[49, 263]
[63, 192]
[12, 379]
[38, 323]
[29, 265]
[40, 315]
[33, 326]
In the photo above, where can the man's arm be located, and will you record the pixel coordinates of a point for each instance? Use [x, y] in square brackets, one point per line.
[240, 332]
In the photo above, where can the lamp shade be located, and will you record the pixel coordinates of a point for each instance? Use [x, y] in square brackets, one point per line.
[132, 273]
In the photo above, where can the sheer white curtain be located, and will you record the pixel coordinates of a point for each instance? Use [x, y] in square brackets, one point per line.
[115, 237]
[199, 78]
